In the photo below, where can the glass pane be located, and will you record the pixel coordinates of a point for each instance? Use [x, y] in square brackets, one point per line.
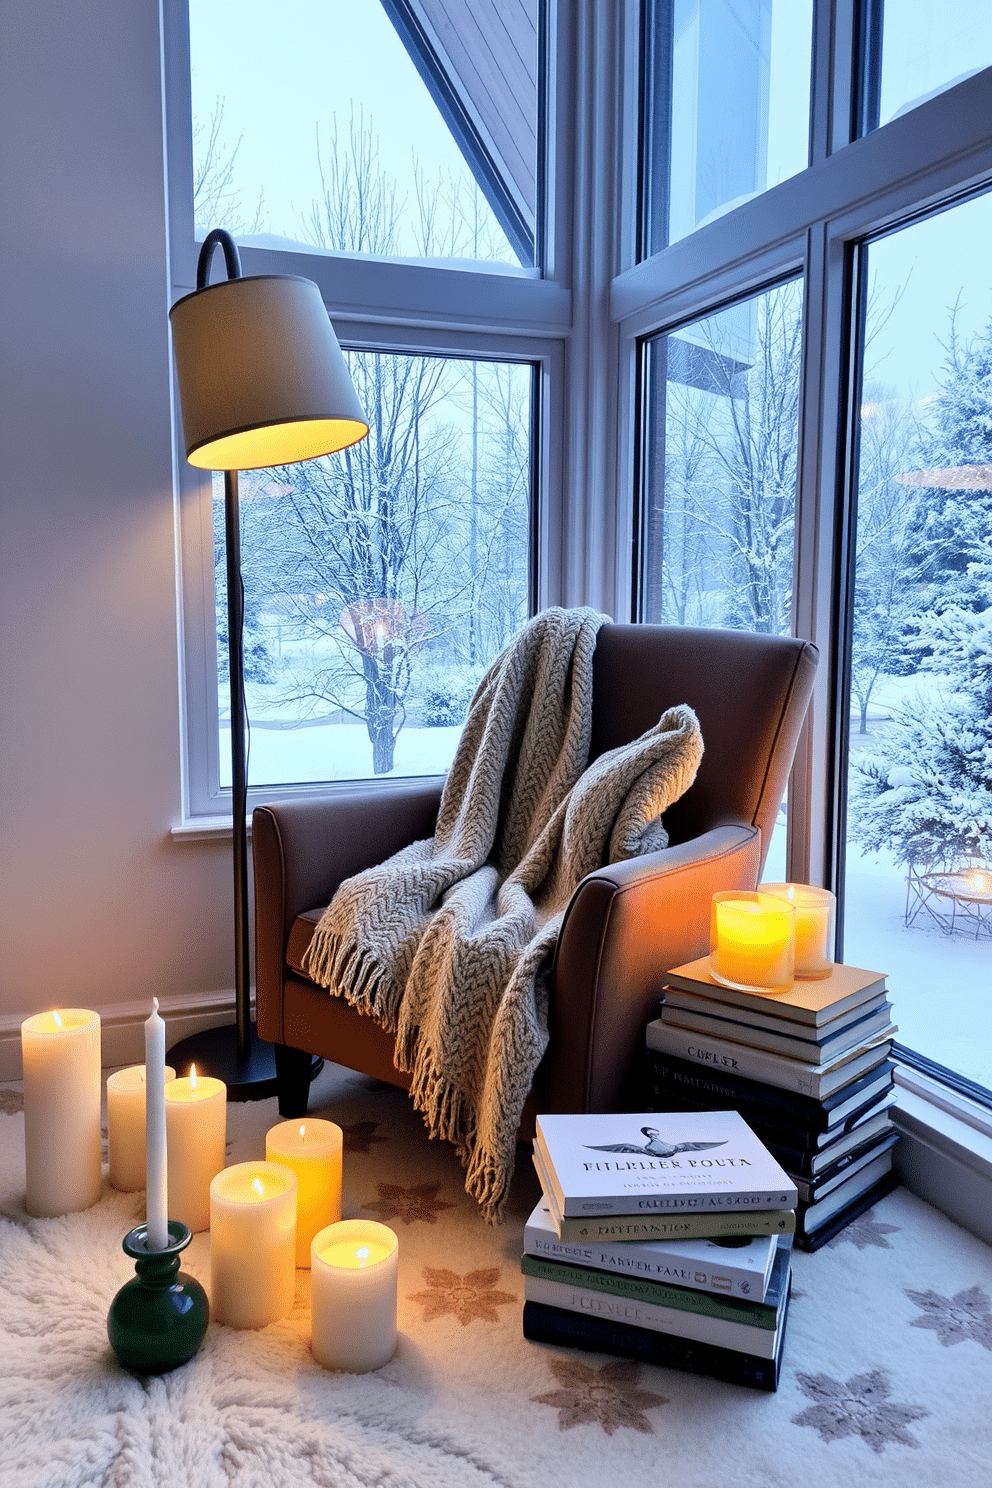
[381, 582]
[924, 48]
[722, 447]
[919, 835]
[317, 124]
[727, 107]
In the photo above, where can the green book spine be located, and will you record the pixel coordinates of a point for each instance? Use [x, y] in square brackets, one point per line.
[578, 1230]
[660, 1293]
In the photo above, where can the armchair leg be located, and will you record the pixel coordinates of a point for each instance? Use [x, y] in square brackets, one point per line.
[294, 1071]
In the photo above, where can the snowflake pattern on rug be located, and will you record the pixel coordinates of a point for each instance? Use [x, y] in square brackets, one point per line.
[609, 1396]
[11, 1101]
[473, 1295]
[858, 1407]
[864, 1231]
[360, 1136]
[409, 1204]
[968, 1314]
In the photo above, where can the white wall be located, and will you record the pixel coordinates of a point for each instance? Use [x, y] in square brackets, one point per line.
[98, 907]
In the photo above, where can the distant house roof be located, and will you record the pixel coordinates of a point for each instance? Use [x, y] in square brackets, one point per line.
[479, 60]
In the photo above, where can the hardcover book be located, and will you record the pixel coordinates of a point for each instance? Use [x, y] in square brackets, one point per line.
[695, 1002]
[700, 1304]
[854, 1035]
[812, 1190]
[674, 1080]
[798, 1142]
[762, 1342]
[812, 1003]
[683, 1162]
[740, 1268]
[555, 1325]
[627, 1229]
[811, 1163]
[815, 1080]
[832, 1224]
[811, 1216]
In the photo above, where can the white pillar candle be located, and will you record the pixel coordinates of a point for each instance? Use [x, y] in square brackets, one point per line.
[126, 1126]
[196, 1128]
[752, 940]
[814, 926]
[312, 1148]
[156, 1163]
[252, 1244]
[353, 1287]
[61, 1058]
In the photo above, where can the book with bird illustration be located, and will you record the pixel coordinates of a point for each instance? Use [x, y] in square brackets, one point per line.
[682, 1162]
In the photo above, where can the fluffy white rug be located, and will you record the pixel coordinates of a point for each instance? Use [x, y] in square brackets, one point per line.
[887, 1377]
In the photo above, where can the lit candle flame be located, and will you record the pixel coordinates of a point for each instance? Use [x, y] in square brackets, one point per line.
[58, 1020]
[192, 1077]
[362, 1254]
[302, 1133]
[259, 1188]
[978, 881]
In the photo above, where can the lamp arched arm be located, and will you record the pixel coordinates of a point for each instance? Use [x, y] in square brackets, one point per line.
[219, 237]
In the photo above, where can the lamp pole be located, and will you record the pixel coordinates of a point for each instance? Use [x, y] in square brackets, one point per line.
[262, 382]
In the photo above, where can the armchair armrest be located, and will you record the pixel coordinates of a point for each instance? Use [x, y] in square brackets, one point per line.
[303, 849]
[627, 924]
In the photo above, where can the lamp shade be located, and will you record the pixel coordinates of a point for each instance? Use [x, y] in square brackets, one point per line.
[262, 379]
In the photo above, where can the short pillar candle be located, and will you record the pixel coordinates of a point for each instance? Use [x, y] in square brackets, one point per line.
[313, 1150]
[814, 926]
[752, 940]
[126, 1126]
[353, 1289]
[252, 1244]
[196, 1132]
[61, 1058]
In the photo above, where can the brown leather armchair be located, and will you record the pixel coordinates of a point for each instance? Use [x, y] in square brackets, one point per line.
[627, 924]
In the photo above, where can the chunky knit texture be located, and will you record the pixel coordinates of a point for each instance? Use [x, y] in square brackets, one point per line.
[446, 942]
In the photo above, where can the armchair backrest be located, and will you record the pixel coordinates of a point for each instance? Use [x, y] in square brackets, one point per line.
[750, 693]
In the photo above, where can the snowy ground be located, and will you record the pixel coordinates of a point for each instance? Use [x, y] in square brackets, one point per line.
[940, 985]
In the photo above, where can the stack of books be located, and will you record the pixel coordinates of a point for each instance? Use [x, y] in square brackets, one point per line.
[664, 1238]
[807, 1068]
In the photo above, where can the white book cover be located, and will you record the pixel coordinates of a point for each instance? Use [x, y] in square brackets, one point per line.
[730, 1268]
[685, 1161]
[761, 1342]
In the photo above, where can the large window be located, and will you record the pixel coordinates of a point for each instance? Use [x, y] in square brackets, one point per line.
[817, 456]
[919, 768]
[393, 151]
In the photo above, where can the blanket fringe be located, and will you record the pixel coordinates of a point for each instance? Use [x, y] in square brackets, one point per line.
[350, 970]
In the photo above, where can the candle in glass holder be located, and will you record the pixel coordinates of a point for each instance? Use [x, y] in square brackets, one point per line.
[252, 1244]
[61, 1059]
[353, 1287]
[814, 926]
[196, 1129]
[752, 940]
[312, 1148]
[126, 1126]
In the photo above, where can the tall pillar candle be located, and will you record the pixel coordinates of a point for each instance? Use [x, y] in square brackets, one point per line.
[196, 1128]
[61, 1056]
[126, 1126]
[312, 1148]
[814, 926]
[252, 1244]
[353, 1290]
[156, 1161]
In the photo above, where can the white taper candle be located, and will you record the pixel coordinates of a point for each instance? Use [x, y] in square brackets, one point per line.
[156, 1160]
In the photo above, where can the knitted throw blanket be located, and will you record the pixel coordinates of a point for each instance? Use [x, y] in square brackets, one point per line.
[447, 942]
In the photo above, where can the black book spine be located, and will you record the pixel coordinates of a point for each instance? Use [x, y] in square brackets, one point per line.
[670, 1079]
[556, 1325]
[839, 1221]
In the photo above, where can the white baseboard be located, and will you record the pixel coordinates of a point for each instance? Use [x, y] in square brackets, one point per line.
[946, 1161]
[122, 1027]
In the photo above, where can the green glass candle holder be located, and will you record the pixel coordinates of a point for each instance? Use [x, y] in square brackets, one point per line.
[158, 1318]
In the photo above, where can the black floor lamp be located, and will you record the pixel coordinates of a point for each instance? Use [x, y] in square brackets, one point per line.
[262, 382]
